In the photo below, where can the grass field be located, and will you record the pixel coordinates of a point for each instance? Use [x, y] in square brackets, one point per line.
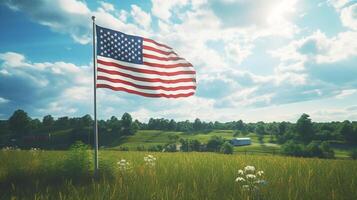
[149, 138]
[41, 175]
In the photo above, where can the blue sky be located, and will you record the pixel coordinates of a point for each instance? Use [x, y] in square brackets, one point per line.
[255, 60]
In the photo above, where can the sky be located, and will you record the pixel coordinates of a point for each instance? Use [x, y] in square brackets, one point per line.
[255, 60]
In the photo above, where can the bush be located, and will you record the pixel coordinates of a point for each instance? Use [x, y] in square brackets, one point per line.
[227, 148]
[313, 150]
[214, 144]
[156, 148]
[123, 148]
[170, 147]
[353, 154]
[79, 163]
[293, 149]
[140, 148]
[327, 150]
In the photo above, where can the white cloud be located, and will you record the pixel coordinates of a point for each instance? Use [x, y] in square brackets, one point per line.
[349, 17]
[345, 93]
[162, 9]
[338, 4]
[142, 18]
[3, 100]
[107, 6]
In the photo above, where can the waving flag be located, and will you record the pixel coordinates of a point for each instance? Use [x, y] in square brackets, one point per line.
[141, 66]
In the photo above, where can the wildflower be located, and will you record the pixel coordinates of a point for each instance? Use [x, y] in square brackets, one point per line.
[249, 168]
[240, 179]
[123, 165]
[250, 179]
[250, 176]
[150, 160]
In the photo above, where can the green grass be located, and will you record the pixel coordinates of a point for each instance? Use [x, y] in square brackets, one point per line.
[149, 138]
[28, 175]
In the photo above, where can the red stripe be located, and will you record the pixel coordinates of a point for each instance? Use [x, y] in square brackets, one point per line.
[144, 86]
[180, 80]
[168, 66]
[144, 94]
[158, 50]
[158, 44]
[161, 58]
[144, 71]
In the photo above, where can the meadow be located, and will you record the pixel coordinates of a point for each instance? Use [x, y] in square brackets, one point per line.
[68, 175]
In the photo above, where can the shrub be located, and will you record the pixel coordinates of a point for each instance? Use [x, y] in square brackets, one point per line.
[313, 150]
[79, 163]
[353, 154]
[227, 148]
[123, 148]
[140, 148]
[292, 149]
[327, 150]
[156, 148]
[170, 148]
[215, 143]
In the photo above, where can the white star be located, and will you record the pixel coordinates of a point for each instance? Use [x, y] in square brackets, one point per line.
[101, 30]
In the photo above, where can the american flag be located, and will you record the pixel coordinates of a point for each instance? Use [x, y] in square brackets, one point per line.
[141, 66]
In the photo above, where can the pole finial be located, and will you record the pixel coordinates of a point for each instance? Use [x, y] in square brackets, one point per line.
[93, 18]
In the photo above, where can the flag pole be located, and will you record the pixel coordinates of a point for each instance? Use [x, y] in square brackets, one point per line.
[95, 103]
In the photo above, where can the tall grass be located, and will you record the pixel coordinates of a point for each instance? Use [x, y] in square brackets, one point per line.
[24, 175]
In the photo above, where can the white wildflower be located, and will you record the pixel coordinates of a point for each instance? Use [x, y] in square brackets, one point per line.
[240, 172]
[240, 179]
[123, 165]
[260, 173]
[150, 160]
[249, 168]
[250, 176]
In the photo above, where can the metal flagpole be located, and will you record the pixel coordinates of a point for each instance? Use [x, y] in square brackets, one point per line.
[95, 103]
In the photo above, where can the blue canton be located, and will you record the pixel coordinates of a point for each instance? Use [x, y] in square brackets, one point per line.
[119, 46]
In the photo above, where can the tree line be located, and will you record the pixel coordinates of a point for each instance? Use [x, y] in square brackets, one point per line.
[21, 130]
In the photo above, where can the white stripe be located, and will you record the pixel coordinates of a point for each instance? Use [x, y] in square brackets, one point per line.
[154, 53]
[139, 66]
[144, 82]
[163, 62]
[146, 75]
[143, 90]
[150, 44]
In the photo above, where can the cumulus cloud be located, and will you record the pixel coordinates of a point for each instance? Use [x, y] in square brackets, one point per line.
[349, 17]
[34, 85]
[142, 18]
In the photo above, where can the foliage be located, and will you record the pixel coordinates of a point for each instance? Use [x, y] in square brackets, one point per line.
[79, 161]
[177, 176]
[227, 148]
[353, 154]
[19, 122]
[304, 129]
[214, 144]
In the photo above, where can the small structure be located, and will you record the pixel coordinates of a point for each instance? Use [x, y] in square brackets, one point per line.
[241, 141]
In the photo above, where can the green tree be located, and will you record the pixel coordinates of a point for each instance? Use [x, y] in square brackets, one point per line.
[304, 129]
[347, 131]
[48, 121]
[227, 148]
[19, 123]
[127, 126]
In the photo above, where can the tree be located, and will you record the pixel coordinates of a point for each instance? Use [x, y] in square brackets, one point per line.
[214, 143]
[260, 131]
[197, 125]
[304, 129]
[227, 148]
[19, 122]
[47, 121]
[127, 126]
[347, 131]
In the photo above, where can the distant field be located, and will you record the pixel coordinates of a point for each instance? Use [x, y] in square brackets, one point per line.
[149, 138]
[40, 175]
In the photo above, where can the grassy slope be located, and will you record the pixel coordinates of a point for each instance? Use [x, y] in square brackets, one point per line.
[178, 176]
[148, 138]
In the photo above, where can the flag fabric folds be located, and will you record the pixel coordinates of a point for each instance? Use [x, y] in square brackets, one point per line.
[141, 66]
